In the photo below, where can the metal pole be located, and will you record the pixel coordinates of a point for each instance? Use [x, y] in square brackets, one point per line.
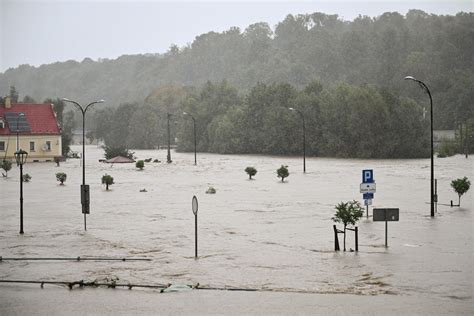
[196, 236]
[83, 111]
[194, 126]
[425, 87]
[21, 198]
[304, 144]
[367, 210]
[356, 238]
[84, 157]
[432, 154]
[168, 157]
[386, 234]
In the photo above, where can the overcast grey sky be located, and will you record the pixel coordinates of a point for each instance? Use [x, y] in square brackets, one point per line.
[39, 32]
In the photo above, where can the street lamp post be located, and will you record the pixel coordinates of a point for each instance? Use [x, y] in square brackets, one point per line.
[425, 88]
[304, 138]
[168, 157]
[84, 189]
[20, 156]
[21, 114]
[194, 127]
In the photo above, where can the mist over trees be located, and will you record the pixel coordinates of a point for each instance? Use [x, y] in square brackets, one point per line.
[345, 76]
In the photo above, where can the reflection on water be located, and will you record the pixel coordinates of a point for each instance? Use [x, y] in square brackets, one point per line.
[257, 233]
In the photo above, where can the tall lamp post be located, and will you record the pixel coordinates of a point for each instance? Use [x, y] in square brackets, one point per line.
[21, 114]
[168, 157]
[194, 127]
[85, 201]
[304, 138]
[425, 88]
[20, 156]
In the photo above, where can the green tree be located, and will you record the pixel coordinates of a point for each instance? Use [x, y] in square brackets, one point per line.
[14, 95]
[61, 177]
[26, 177]
[7, 166]
[251, 171]
[283, 172]
[107, 180]
[460, 186]
[140, 164]
[111, 152]
[348, 213]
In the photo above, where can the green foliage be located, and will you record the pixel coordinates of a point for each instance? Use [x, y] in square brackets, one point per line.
[111, 152]
[211, 190]
[447, 148]
[65, 121]
[283, 172]
[348, 213]
[251, 171]
[61, 177]
[7, 166]
[140, 164]
[26, 177]
[461, 186]
[366, 51]
[107, 180]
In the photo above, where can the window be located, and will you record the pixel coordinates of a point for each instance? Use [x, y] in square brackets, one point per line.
[2, 124]
[2, 146]
[32, 146]
[47, 146]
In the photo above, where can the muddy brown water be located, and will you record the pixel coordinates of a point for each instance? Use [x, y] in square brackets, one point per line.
[259, 233]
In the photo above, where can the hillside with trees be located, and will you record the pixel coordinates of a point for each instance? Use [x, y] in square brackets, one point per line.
[345, 76]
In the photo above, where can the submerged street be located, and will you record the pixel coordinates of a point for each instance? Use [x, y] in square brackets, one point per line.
[253, 234]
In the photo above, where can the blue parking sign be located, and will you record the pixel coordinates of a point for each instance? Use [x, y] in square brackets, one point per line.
[368, 176]
[368, 196]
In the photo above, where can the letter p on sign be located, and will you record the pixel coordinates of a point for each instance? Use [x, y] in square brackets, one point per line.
[367, 176]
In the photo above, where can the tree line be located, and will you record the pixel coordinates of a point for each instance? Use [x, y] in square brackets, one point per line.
[374, 51]
[341, 120]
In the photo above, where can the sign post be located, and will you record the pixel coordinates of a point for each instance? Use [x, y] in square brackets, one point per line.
[387, 215]
[195, 211]
[368, 188]
[85, 201]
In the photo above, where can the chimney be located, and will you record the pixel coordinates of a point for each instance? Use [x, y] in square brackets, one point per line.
[8, 102]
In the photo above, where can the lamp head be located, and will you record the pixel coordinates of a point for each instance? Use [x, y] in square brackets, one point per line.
[20, 157]
[409, 78]
[291, 109]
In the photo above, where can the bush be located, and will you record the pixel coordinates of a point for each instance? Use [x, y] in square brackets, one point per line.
[111, 152]
[283, 172]
[461, 186]
[348, 213]
[26, 177]
[107, 180]
[140, 164]
[251, 171]
[447, 149]
[61, 177]
[7, 166]
[211, 190]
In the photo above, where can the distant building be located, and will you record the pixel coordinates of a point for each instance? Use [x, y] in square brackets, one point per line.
[77, 137]
[443, 135]
[36, 127]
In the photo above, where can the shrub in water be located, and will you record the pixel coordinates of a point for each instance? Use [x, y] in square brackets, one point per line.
[107, 180]
[283, 172]
[61, 177]
[251, 171]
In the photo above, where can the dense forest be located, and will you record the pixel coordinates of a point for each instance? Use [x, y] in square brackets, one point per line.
[345, 77]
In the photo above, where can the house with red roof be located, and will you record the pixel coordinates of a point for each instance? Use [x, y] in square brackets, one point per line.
[31, 127]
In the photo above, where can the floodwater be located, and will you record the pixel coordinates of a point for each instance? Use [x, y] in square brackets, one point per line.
[259, 233]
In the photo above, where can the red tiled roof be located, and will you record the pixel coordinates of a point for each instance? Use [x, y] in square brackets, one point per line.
[40, 117]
